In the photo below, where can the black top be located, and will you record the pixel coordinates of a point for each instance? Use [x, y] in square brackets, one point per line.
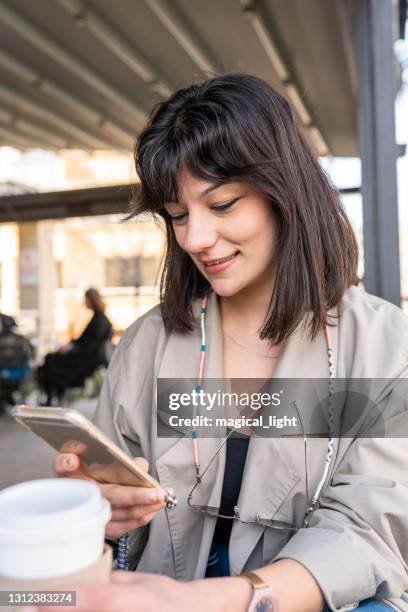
[70, 369]
[7, 324]
[98, 330]
[237, 448]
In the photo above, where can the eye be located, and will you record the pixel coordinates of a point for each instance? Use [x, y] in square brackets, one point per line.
[226, 206]
[178, 218]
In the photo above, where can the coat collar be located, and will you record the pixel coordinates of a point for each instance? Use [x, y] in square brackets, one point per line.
[299, 358]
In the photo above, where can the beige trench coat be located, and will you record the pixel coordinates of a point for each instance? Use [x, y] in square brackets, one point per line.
[356, 545]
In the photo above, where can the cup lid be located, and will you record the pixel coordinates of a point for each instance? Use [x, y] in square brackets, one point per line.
[49, 505]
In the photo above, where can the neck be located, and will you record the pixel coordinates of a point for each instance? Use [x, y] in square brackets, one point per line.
[244, 312]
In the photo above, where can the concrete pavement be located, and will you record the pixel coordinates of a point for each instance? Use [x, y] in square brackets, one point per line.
[23, 456]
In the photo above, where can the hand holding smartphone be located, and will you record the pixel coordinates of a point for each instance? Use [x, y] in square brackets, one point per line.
[135, 496]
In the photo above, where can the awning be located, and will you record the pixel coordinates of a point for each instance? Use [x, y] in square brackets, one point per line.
[86, 74]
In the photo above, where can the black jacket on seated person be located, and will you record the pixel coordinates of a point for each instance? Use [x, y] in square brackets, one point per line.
[7, 324]
[69, 369]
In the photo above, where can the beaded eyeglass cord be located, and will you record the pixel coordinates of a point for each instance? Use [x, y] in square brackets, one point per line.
[330, 441]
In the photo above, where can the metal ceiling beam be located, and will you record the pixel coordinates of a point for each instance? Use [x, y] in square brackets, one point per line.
[13, 122]
[267, 41]
[346, 32]
[70, 61]
[85, 17]
[274, 51]
[67, 127]
[63, 204]
[10, 138]
[87, 111]
[40, 134]
[24, 131]
[184, 35]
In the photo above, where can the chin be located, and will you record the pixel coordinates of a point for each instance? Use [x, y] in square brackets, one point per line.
[225, 289]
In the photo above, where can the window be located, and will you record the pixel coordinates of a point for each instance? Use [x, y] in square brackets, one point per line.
[60, 274]
[131, 271]
[148, 271]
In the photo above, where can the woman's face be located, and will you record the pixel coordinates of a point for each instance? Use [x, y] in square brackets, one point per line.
[229, 231]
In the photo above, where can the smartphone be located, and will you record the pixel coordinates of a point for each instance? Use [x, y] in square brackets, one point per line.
[68, 431]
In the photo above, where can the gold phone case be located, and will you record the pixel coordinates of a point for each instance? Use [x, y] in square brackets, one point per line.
[67, 430]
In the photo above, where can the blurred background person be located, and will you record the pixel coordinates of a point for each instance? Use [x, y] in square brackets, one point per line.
[7, 323]
[16, 353]
[75, 361]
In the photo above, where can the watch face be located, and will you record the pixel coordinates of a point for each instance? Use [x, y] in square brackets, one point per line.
[264, 605]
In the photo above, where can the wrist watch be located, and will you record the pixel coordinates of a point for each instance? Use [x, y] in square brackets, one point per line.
[263, 599]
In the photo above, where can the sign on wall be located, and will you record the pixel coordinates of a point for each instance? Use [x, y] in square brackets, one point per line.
[28, 267]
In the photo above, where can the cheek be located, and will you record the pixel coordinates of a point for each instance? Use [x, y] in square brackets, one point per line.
[179, 235]
[259, 230]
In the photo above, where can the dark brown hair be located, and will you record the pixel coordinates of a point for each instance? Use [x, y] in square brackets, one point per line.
[235, 127]
[95, 300]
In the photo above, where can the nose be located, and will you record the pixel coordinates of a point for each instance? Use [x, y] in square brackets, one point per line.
[200, 234]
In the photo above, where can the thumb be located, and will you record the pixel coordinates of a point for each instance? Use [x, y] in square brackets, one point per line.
[142, 463]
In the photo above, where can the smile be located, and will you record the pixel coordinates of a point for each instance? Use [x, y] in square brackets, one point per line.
[217, 265]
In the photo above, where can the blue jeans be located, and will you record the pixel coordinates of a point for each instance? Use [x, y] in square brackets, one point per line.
[218, 565]
[370, 605]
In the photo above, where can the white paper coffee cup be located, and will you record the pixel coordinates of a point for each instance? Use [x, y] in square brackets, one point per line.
[51, 527]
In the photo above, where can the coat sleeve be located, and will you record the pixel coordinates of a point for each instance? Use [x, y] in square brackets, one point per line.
[356, 545]
[125, 402]
[113, 402]
[119, 413]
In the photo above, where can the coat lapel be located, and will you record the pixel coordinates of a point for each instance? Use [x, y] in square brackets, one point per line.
[275, 462]
[175, 464]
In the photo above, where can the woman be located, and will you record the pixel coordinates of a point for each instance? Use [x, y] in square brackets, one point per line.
[73, 362]
[259, 282]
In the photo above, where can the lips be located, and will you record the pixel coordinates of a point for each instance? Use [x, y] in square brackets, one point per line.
[216, 262]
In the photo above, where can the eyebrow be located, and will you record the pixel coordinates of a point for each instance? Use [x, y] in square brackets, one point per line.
[206, 191]
[210, 188]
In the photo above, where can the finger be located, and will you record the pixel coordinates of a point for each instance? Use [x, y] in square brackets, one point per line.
[142, 463]
[115, 529]
[115, 473]
[61, 466]
[73, 446]
[66, 463]
[121, 496]
[135, 512]
[119, 474]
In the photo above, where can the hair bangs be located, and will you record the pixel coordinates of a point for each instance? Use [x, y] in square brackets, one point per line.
[202, 140]
[158, 170]
[213, 149]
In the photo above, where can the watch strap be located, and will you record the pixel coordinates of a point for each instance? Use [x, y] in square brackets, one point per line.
[263, 599]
